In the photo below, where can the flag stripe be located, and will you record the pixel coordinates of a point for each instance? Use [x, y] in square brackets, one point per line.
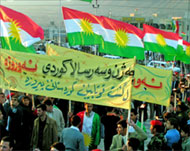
[75, 14]
[108, 35]
[26, 39]
[78, 38]
[7, 15]
[165, 34]
[10, 44]
[152, 38]
[127, 51]
[106, 23]
[112, 24]
[155, 47]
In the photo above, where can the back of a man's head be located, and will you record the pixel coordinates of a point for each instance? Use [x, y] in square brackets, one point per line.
[75, 120]
[173, 121]
[48, 102]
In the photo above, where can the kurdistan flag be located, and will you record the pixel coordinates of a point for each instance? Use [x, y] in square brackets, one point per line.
[160, 41]
[185, 57]
[82, 28]
[17, 31]
[121, 39]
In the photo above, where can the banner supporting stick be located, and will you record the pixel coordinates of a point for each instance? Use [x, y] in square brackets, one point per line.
[175, 101]
[33, 102]
[68, 116]
[129, 111]
[142, 118]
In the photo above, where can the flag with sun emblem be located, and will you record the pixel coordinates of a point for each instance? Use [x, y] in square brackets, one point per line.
[18, 31]
[82, 28]
[160, 41]
[121, 39]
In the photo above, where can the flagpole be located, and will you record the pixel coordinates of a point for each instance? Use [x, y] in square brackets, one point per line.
[60, 18]
[96, 6]
[129, 111]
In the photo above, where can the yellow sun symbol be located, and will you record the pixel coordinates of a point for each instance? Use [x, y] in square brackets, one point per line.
[160, 40]
[14, 30]
[86, 26]
[188, 50]
[87, 139]
[121, 38]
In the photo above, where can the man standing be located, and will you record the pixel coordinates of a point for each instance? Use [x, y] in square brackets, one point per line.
[158, 141]
[45, 130]
[72, 138]
[55, 114]
[172, 135]
[90, 124]
[15, 122]
[119, 140]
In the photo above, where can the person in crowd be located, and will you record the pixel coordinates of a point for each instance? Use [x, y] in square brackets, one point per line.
[158, 141]
[27, 121]
[3, 131]
[188, 121]
[110, 124]
[57, 146]
[185, 132]
[71, 137]
[133, 144]
[172, 135]
[38, 100]
[175, 81]
[90, 124]
[55, 114]
[182, 114]
[2, 101]
[7, 144]
[176, 146]
[6, 104]
[134, 117]
[119, 140]
[44, 131]
[15, 122]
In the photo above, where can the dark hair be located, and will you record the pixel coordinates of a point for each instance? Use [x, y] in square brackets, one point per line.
[134, 111]
[75, 120]
[27, 97]
[1, 93]
[42, 106]
[134, 143]
[176, 146]
[122, 123]
[59, 146]
[186, 129]
[173, 121]
[109, 109]
[8, 139]
[48, 102]
[159, 128]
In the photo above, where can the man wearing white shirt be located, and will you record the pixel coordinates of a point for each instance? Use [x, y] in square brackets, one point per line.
[55, 114]
[72, 138]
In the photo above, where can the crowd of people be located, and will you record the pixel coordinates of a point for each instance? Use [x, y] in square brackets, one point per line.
[40, 123]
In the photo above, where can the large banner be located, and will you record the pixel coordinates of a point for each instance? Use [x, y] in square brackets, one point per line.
[149, 85]
[74, 76]
[152, 85]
